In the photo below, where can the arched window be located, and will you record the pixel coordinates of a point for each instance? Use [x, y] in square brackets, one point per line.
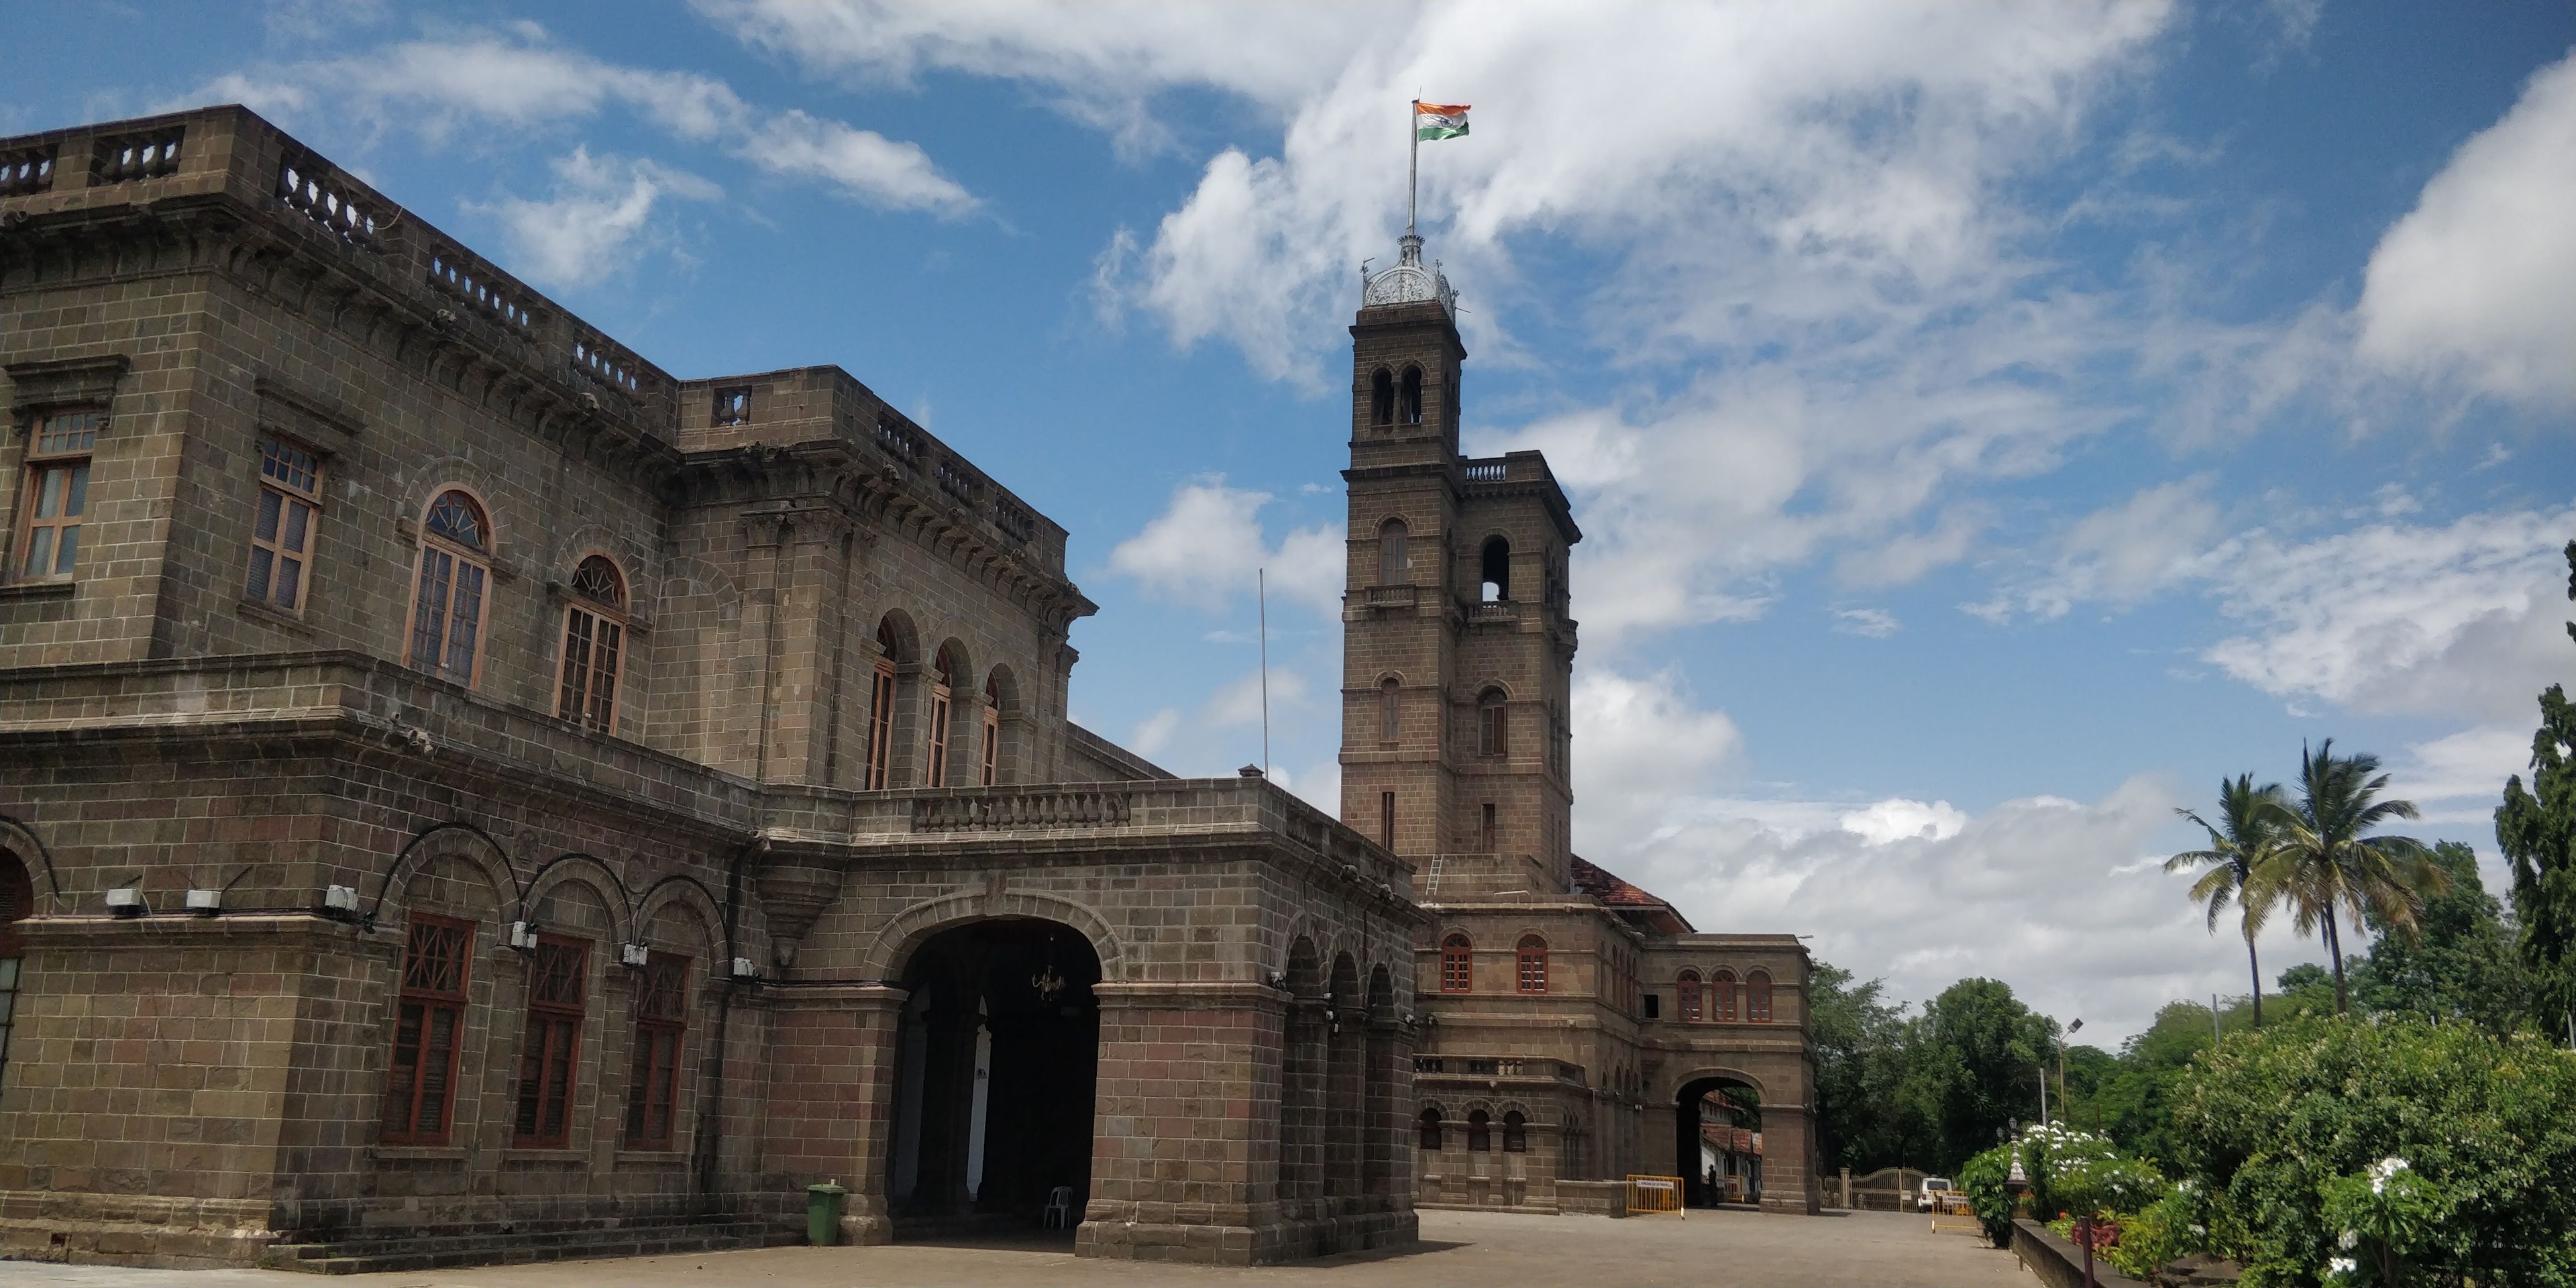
[593, 644]
[1529, 965]
[1381, 398]
[429, 1024]
[447, 604]
[1687, 989]
[881, 697]
[1411, 409]
[1394, 558]
[17, 903]
[1390, 710]
[1721, 997]
[661, 1025]
[1757, 997]
[550, 1051]
[990, 771]
[1493, 724]
[1480, 1132]
[1515, 1132]
[1430, 1117]
[1495, 570]
[1457, 965]
[943, 685]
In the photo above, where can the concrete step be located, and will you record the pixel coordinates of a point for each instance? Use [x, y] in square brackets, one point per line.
[450, 1250]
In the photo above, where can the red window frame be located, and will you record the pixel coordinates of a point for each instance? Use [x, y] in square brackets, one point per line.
[1457, 965]
[942, 690]
[1529, 965]
[1688, 987]
[991, 770]
[1721, 992]
[429, 1028]
[881, 697]
[1757, 997]
[550, 1057]
[661, 1033]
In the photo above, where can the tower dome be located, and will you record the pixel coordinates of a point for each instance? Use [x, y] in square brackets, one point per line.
[1408, 281]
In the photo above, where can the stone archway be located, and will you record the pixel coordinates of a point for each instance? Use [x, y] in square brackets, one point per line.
[1724, 1100]
[996, 1071]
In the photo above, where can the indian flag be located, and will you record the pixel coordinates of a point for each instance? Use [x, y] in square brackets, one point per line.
[1438, 120]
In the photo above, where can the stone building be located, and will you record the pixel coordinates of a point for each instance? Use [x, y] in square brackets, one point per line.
[1574, 1023]
[466, 794]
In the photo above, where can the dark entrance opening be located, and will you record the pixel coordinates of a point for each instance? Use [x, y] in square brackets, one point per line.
[1716, 1141]
[995, 1068]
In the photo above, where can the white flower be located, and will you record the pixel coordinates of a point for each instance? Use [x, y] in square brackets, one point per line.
[2350, 1239]
[2383, 1172]
[2341, 1266]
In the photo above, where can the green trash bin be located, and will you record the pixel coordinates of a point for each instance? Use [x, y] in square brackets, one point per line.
[823, 1213]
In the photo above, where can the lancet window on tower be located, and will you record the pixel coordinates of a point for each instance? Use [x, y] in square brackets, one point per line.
[1390, 710]
[1410, 405]
[1382, 398]
[1495, 570]
[1394, 553]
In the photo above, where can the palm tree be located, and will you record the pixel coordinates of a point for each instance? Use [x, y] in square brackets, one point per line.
[2324, 861]
[2247, 838]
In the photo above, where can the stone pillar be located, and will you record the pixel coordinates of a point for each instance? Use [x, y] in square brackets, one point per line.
[1178, 1150]
[831, 1097]
[1789, 1180]
[1346, 1110]
[1302, 1109]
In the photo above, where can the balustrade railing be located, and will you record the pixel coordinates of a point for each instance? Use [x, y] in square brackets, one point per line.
[461, 275]
[306, 186]
[151, 155]
[1041, 809]
[25, 171]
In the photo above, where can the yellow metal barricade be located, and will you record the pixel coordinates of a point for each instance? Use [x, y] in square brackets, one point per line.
[1655, 1196]
[1952, 1212]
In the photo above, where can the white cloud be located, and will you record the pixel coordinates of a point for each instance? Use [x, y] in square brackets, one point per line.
[1103, 61]
[522, 80]
[1898, 819]
[1641, 748]
[1875, 623]
[2459, 620]
[2064, 899]
[863, 163]
[597, 219]
[1154, 732]
[2479, 280]
[2460, 778]
[1207, 549]
[2154, 541]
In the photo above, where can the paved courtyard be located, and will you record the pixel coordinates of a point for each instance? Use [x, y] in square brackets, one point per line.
[1466, 1249]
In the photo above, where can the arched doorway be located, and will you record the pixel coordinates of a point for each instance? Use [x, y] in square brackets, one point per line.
[1717, 1138]
[995, 1069]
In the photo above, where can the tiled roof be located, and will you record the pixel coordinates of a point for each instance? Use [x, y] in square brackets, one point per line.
[1613, 891]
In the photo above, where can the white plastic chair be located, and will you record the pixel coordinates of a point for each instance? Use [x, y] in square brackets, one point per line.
[1059, 1208]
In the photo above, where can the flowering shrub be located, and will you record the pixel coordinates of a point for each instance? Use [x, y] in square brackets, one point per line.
[2390, 1152]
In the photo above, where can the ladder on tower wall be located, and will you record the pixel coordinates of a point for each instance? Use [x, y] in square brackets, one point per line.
[1431, 884]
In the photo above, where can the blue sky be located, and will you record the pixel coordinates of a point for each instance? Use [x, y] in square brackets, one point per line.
[1990, 425]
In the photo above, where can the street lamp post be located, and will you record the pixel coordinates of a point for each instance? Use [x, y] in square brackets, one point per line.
[2062, 1106]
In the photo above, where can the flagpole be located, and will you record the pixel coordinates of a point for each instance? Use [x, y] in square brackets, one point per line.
[1413, 163]
[1261, 596]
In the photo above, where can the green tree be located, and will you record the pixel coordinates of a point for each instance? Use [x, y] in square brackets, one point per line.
[2459, 965]
[2537, 831]
[2326, 864]
[1978, 1055]
[2247, 836]
[1863, 1119]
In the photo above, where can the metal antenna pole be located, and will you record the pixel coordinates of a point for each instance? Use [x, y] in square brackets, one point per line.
[1261, 596]
[1413, 163]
